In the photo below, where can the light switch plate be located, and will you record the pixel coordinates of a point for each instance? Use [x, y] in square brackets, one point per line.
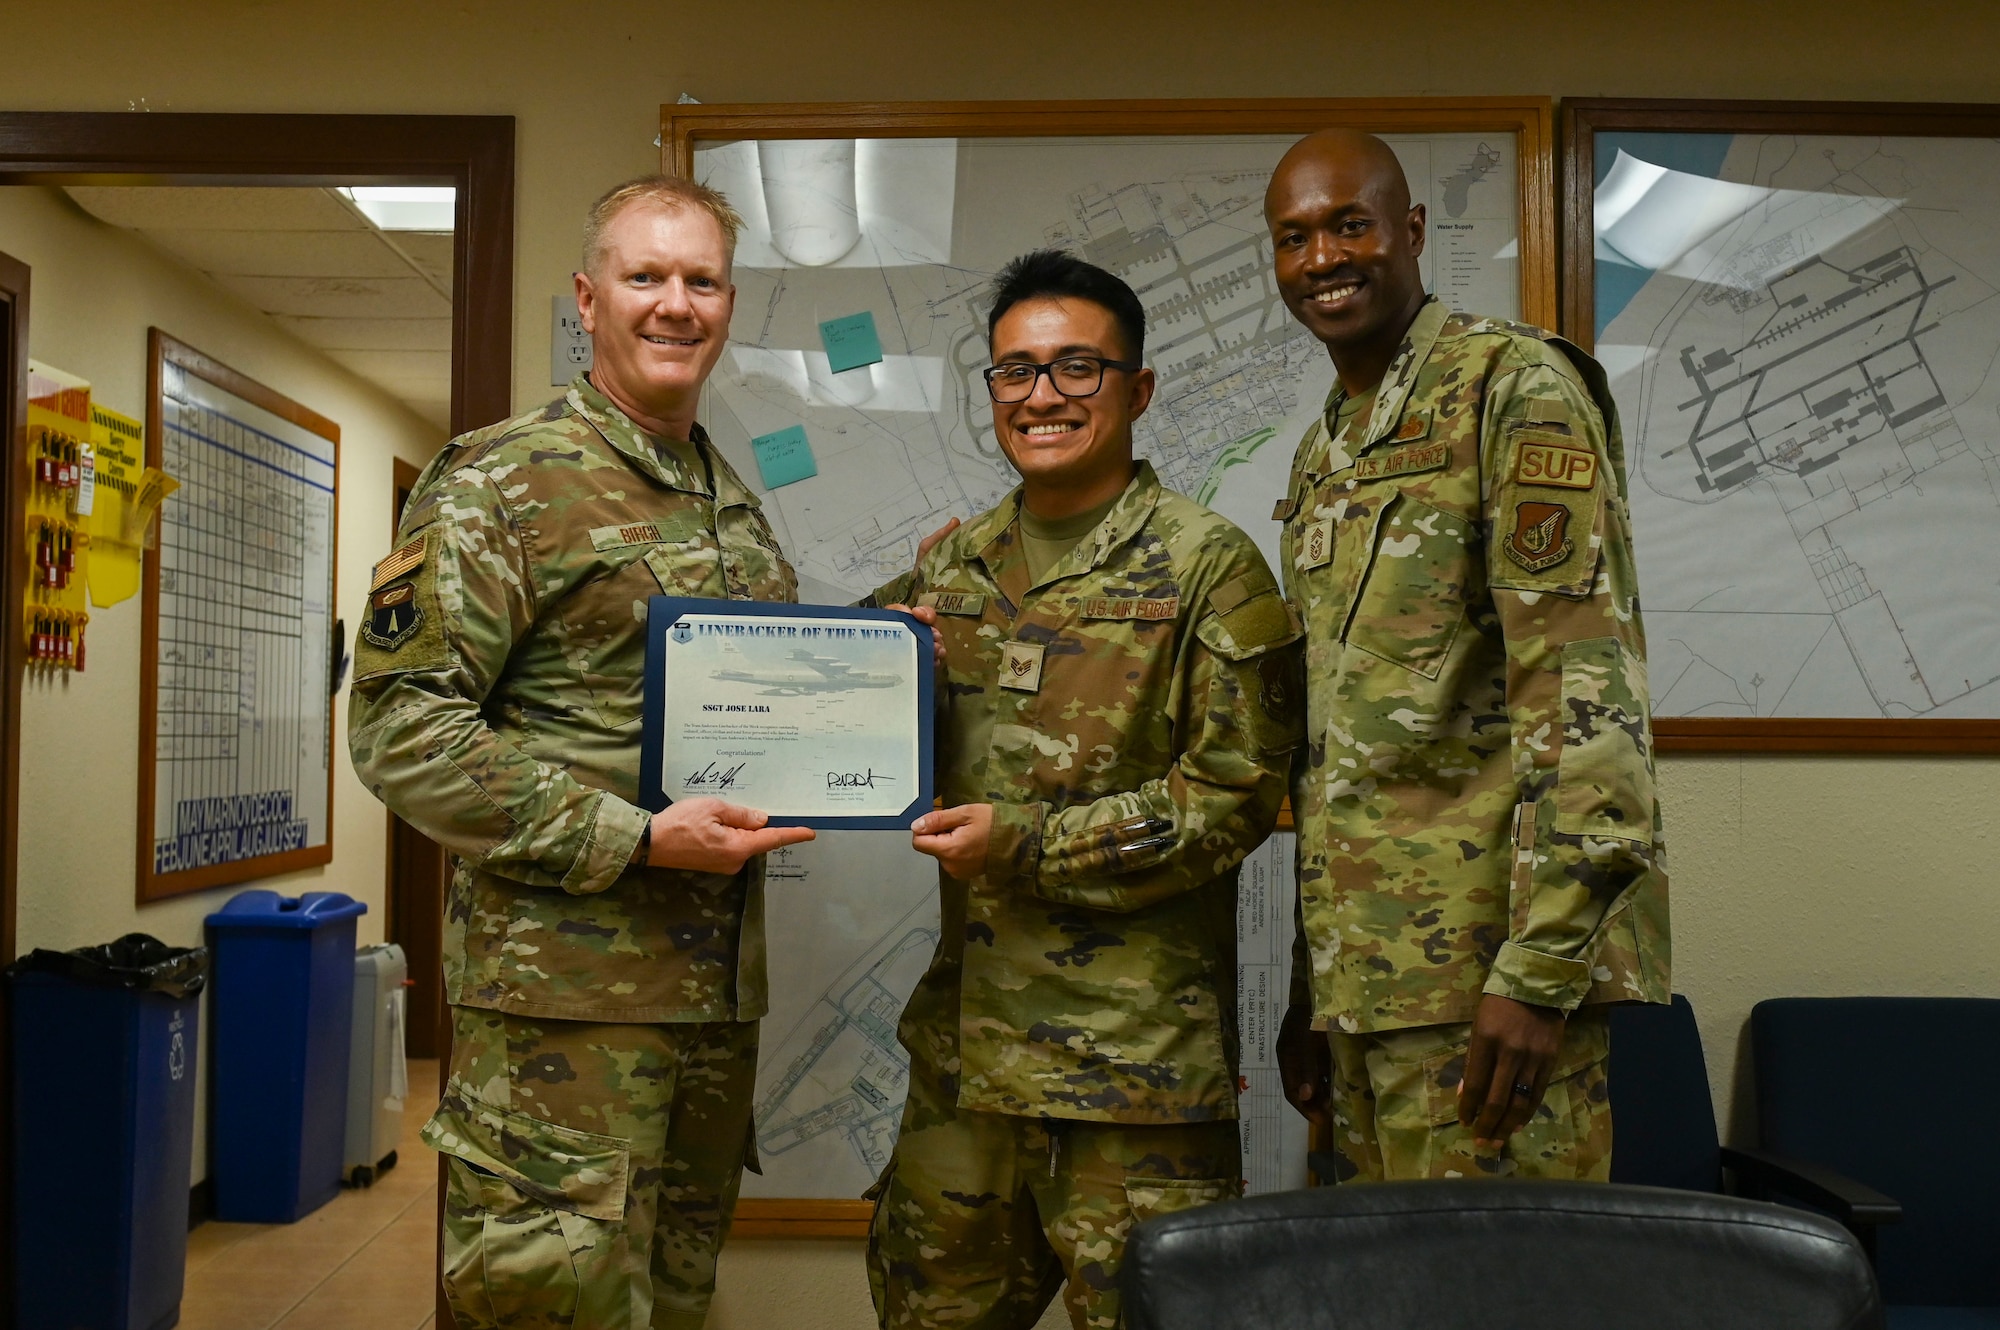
[569, 344]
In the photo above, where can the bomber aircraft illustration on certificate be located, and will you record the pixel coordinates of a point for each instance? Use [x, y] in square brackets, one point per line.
[813, 674]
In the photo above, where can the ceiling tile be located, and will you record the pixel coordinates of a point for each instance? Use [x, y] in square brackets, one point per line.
[341, 297]
[282, 253]
[430, 251]
[370, 334]
[217, 208]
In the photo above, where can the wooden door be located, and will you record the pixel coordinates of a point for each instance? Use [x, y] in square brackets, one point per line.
[418, 871]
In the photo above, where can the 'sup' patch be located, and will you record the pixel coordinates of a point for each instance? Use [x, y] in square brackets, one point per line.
[1550, 459]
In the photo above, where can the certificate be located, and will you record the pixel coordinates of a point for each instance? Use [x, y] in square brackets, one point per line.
[819, 715]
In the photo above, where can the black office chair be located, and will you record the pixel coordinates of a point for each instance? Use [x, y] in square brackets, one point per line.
[1663, 1127]
[1496, 1255]
[1894, 1092]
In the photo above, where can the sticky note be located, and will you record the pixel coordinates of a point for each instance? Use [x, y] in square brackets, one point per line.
[851, 342]
[784, 457]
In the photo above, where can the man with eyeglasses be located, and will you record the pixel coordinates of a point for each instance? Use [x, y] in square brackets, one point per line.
[1120, 699]
[1480, 857]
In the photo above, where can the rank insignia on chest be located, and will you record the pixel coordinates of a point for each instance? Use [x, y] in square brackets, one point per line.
[1021, 666]
[1316, 544]
[1540, 538]
[393, 616]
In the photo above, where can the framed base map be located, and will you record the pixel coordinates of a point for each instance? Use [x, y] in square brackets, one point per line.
[1797, 307]
[236, 712]
[852, 386]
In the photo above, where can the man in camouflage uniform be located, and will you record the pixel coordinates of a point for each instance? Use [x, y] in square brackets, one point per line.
[1120, 695]
[605, 966]
[1479, 847]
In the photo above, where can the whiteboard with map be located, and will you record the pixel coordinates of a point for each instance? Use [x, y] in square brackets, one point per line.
[910, 230]
[1802, 333]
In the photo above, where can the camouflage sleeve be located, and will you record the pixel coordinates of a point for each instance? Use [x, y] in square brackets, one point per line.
[415, 727]
[896, 591]
[1559, 562]
[1239, 720]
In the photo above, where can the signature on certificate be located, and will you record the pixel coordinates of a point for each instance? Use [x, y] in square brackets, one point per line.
[710, 778]
[852, 779]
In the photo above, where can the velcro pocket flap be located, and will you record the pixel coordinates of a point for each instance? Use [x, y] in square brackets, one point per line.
[1247, 617]
[564, 1168]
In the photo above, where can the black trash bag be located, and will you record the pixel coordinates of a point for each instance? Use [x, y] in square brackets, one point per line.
[137, 961]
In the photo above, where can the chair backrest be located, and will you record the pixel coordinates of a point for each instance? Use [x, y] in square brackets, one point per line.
[1490, 1255]
[1886, 1090]
[1662, 1117]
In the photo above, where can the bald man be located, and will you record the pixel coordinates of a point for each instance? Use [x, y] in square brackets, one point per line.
[1479, 849]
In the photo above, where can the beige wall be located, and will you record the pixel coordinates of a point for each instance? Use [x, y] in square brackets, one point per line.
[96, 289]
[1792, 875]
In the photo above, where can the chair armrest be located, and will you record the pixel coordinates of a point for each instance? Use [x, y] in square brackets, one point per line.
[1854, 1203]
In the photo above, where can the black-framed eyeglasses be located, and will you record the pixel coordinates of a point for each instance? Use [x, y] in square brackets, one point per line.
[1072, 376]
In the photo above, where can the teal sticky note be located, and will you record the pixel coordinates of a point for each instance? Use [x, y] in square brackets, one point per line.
[851, 342]
[784, 457]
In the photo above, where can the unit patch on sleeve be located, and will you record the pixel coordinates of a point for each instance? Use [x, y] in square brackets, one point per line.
[1540, 538]
[393, 616]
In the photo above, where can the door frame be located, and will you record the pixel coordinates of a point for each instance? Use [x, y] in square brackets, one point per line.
[473, 154]
[13, 667]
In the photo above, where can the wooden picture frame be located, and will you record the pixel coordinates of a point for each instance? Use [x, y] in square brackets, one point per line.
[164, 351]
[1528, 120]
[1583, 120]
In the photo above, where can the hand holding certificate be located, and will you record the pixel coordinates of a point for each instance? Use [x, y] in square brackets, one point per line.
[818, 715]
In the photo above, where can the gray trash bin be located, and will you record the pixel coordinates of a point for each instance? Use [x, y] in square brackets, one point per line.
[378, 1079]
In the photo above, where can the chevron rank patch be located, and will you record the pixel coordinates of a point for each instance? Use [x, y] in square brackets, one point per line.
[1021, 666]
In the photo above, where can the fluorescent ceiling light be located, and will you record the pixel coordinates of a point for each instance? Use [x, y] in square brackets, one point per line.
[406, 207]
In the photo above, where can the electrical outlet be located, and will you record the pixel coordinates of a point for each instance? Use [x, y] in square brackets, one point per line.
[569, 344]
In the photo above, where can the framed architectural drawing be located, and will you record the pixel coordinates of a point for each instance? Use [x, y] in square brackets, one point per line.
[1795, 304]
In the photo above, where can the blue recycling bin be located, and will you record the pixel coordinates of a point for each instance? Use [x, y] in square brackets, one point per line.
[104, 1075]
[282, 1014]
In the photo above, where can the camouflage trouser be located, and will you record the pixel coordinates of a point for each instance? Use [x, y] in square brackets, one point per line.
[1395, 1107]
[980, 1216]
[592, 1168]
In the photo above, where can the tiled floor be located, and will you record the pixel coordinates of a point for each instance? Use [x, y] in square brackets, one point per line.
[366, 1260]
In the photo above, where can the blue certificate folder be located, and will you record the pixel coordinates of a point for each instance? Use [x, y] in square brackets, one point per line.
[820, 715]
